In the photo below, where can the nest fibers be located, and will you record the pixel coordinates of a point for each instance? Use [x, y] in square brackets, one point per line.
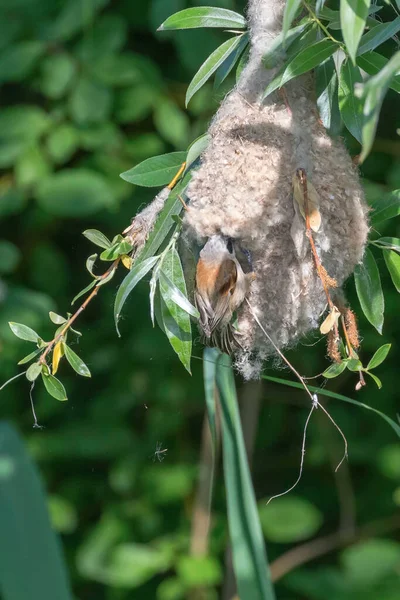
[243, 189]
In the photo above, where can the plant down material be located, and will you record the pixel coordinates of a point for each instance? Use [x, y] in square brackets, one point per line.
[243, 189]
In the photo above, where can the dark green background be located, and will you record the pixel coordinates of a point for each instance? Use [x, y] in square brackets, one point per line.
[88, 89]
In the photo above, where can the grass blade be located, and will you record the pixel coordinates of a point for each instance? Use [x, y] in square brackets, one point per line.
[31, 559]
[248, 550]
[324, 392]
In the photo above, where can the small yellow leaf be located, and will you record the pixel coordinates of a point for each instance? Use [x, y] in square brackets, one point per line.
[330, 321]
[126, 261]
[313, 202]
[58, 352]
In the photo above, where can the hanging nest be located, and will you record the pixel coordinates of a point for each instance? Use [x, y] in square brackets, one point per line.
[245, 189]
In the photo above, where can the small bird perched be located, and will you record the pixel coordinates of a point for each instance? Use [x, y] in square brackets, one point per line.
[221, 287]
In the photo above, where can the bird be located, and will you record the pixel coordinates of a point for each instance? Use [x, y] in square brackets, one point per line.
[221, 287]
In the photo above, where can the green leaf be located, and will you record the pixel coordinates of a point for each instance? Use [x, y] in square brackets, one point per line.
[229, 63]
[176, 319]
[164, 222]
[116, 250]
[379, 356]
[24, 333]
[90, 261]
[351, 107]
[57, 74]
[210, 356]
[307, 59]
[196, 148]
[291, 8]
[386, 207]
[376, 379]
[277, 49]
[62, 143]
[324, 392]
[374, 92]
[370, 562]
[17, 61]
[56, 319]
[10, 256]
[210, 65]
[172, 123]
[386, 243]
[176, 295]
[90, 102]
[27, 528]
[76, 362]
[54, 387]
[74, 193]
[378, 35]
[289, 520]
[334, 370]
[86, 289]
[326, 82]
[392, 260]
[369, 290]
[372, 63]
[248, 550]
[353, 15]
[30, 356]
[155, 171]
[204, 16]
[354, 365]
[33, 371]
[138, 271]
[98, 238]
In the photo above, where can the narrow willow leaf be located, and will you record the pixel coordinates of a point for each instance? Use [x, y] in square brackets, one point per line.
[229, 63]
[351, 107]
[135, 275]
[24, 333]
[54, 387]
[392, 260]
[353, 15]
[378, 35]
[76, 362]
[326, 82]
[278, 47]
[210, 65]
[389, 243]
[379, 356]
[30, 356]
[291, 9]
[98, 238]
[178, 332]
[324, 392]
[372, 63]
[386, 208]
[177, 296]
[155, 171]
[374, 92]
[248, 551]
[90, 262]
[242, 63]
[306, 60]
[104, 280]
[196, 149]
[33, 371]
[164, 223]
[376, 379]
[56, 319]
[354, 365]
[334, 370]
[369, 290]
[83, 292]
[204, 16]
[57, 355]
[153, 291]
[32, 565]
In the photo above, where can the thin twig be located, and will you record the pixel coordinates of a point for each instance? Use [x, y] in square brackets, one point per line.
[319, 547]
[72, 319]
[12, 379]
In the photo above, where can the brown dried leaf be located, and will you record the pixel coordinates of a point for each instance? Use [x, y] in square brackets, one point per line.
[330, 321]
[313, 202]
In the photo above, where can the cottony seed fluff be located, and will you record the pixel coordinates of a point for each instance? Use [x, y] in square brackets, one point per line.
[243, 189]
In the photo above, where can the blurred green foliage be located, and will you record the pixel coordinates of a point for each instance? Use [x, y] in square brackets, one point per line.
[88, 89]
